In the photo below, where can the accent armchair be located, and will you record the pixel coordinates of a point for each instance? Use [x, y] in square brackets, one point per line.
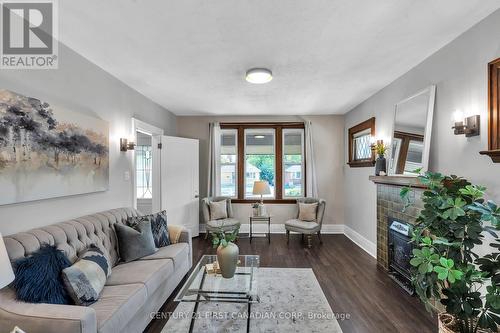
[227, 224]
[307, 228]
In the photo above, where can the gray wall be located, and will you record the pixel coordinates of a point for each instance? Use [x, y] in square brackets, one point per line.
[81, 86]
[460, 72]
[328, 146]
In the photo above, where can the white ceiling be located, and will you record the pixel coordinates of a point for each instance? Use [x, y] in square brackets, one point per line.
[327, 56]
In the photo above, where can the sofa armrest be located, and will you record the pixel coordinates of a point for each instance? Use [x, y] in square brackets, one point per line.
[42, 318]
[180, 234]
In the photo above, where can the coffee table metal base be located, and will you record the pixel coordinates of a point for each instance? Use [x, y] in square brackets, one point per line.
[227, 297]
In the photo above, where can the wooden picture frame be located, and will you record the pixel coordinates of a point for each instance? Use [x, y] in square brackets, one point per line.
[364, 126]
[493, 111]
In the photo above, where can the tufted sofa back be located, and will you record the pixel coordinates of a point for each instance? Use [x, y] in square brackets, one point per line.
[72, 236]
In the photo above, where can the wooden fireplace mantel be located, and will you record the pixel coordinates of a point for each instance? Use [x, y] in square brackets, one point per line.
[398, 181]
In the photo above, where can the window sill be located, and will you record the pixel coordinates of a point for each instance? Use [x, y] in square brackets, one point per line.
[268, 201]
[361, 164]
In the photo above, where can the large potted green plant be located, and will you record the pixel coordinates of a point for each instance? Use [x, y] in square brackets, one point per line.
[445, 264]
[227, 251]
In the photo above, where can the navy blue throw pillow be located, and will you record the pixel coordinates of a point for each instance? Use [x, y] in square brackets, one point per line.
[38, 277]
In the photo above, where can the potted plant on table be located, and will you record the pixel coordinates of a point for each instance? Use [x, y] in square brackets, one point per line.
[227, 251]
[445, 265]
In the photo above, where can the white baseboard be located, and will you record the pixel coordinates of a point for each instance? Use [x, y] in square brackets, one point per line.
[279, 228]
[362, 242]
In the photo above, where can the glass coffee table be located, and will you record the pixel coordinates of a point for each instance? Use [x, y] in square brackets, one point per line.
[204, 287]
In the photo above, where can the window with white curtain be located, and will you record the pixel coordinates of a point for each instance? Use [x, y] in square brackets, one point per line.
[229, 163]
[274, 152]
[293, 163]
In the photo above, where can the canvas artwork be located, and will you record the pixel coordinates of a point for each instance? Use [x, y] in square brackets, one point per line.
[47, 153]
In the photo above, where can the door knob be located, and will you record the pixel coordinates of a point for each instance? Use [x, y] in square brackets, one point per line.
[196, 196]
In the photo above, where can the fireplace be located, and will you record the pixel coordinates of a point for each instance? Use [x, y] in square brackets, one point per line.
[400, 251]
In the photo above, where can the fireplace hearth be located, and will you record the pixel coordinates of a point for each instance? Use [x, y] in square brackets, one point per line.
[400, 251]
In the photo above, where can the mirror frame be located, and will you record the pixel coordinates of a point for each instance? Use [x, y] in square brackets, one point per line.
[431, 90]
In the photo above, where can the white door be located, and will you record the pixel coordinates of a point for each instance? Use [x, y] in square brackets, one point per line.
[179, 172]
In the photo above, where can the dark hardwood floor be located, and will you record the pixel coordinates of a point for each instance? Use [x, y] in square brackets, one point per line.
[348, 276]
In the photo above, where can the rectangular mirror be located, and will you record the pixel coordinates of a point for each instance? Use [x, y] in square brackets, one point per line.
[411, 135]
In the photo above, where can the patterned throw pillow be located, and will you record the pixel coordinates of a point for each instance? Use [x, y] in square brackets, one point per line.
[158, 227]
[38, 277]
[85, 279]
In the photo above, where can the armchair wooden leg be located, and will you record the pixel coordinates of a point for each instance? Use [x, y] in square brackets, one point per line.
[287, 237]
[302, 235]
[309, 240]
[206, 234]
[319, 236]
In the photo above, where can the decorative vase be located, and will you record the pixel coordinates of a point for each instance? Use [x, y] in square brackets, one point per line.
[255, 211]
[380, 165]
[228, 259]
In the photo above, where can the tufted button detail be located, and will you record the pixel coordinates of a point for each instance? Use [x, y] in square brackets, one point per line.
[71, 236]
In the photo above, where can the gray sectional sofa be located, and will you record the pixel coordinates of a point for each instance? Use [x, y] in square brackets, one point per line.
[132, 293]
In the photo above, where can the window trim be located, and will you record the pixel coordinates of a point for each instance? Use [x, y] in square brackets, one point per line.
[365, 125]
[493, 112]
[278, 148]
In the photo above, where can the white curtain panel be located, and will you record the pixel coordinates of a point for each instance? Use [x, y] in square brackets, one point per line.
[312, 183]
[213, 188]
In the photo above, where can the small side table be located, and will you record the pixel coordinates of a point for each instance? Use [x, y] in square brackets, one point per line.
[260, 219]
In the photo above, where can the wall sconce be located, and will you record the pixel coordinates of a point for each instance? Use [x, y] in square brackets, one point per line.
[468, 126]
[126, 145]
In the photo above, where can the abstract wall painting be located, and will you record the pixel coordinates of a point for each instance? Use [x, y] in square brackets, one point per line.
[47, 153]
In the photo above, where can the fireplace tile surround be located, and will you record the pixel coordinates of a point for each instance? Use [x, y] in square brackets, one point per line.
[390, 204]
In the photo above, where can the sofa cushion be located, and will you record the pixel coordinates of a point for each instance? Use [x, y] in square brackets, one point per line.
[298, 224]
[230, 222]
[151, 273]
[177, 252]
[117, 305]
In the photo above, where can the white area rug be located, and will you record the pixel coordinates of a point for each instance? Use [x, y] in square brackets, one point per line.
[291, 300]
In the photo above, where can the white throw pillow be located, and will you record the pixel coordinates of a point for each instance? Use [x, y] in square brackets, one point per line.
[307, 212]
[218, 210]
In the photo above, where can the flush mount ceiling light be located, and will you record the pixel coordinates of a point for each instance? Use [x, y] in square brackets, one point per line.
[259, 136]
[259, 75]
